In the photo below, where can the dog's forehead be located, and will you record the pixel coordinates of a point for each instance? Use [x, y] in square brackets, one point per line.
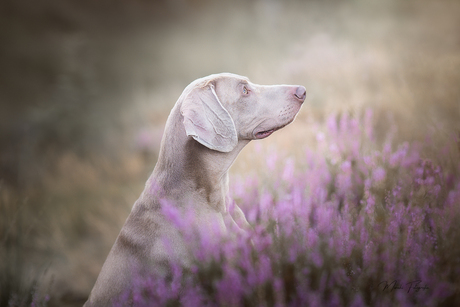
[218, 80]
[229, 77]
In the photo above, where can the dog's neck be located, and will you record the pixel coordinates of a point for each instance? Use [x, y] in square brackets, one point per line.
[188, 172]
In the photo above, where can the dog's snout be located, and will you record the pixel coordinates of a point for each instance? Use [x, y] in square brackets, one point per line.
[300, 93]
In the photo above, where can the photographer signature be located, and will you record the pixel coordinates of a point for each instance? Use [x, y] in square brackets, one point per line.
[397, 285]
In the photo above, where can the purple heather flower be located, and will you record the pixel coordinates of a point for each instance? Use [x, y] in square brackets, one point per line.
[378, 174]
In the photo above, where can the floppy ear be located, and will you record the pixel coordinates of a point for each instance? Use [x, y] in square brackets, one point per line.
[207, 121]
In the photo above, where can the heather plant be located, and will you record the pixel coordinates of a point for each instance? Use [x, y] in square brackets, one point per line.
[356, 223]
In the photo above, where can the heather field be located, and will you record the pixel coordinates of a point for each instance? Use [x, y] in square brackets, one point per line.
[352, 223]
[356, 203]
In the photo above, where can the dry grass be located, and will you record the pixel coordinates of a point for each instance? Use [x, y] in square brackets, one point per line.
[86, 93]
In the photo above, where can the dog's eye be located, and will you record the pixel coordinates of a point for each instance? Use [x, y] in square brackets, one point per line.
[245, 90]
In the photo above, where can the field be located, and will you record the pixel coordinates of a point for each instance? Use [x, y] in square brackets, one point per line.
[356, 203]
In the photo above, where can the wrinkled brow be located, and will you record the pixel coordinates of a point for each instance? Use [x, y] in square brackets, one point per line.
[243, 82]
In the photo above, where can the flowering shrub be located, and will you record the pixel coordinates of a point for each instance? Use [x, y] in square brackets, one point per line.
[351, 225]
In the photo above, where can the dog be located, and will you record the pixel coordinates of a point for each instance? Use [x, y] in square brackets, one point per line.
[211, 122]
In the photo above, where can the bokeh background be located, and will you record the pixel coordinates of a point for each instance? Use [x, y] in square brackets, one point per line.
[86, 87]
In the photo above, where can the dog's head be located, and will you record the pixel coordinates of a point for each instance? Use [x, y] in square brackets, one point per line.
[221, 109]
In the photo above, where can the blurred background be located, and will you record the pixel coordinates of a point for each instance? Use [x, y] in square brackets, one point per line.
[86, 87]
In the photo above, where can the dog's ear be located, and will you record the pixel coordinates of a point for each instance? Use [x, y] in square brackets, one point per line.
[207, 121]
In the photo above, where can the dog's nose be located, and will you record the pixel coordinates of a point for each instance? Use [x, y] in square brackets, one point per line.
[300, 93]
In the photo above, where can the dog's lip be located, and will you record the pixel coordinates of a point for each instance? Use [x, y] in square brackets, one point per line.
[265, 133]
